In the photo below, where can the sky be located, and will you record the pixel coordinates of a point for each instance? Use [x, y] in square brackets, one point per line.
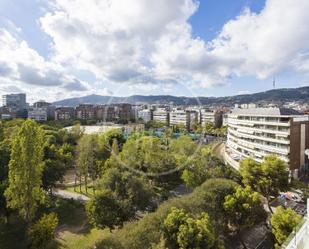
[58, 49]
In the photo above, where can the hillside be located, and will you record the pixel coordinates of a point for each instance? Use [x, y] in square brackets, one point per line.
[274, 96]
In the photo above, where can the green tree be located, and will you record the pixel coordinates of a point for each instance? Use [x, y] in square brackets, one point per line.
[196, 234]
[269, 178]
[148, 155]
[283, 221]
[57, 160]
[5, 150]
[198, 168]
[244, 210]
[210, 197]
[104, 210]
[113, 161]
[1, 131]
[26, 165]
[85, 162]
[182, 231]
[197, 128]
[154, 124]
[209, 128]
[133, 192]
[43, 232]
[251, 172]
[172, 222]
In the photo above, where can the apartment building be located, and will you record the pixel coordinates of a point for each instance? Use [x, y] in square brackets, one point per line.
[85, 112]
[209, 116]
[124, 111]
[37, 113]
[161, 114]
[257, 132]
[145, 115]
[106, 113]
[64, 113]
[179, 116]
[17, 101]
[16, 105]
[41, 104]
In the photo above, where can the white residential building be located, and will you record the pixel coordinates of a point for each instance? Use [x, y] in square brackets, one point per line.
[257, 132]
[161, 115]
[209, 116]
[38, 114]
[145, 115]
[179, 116]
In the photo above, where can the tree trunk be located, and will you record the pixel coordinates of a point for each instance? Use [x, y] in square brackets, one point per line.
[80, 183]
[93, 187]
[269, 207]
[75, 183]
[6, 216]
[86, 188]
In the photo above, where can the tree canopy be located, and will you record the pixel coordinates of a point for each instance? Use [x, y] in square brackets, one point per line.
[26, 165]
[269, 178]
[283, 221]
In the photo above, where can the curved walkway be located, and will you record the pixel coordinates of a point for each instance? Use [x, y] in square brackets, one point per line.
[69, 195]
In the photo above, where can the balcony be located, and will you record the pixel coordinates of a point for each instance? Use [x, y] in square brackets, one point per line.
[252, 122]
[260, 138]
[264, 150]
[272, 131]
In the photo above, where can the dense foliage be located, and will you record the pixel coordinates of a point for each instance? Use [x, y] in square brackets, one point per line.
[269, 178]
[42, 232]
[24, 191]
[283, 222]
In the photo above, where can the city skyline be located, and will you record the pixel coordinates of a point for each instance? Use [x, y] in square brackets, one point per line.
[181, 48]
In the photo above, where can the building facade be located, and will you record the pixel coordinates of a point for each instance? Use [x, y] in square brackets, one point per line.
[145, 115]
[105, 113]
[85, 112]
[64, 113]
[16, 105]
[161, 114]
[209, 116]
[17, 101]
[124, 111]
[38, 114]
[257, 132]
[181, 117]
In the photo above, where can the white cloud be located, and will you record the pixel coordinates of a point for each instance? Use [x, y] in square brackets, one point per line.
[23, 68]
[264, 44]
[141, 41]
[149, 45]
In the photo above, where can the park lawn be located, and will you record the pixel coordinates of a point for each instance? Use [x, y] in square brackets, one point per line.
[82, 240]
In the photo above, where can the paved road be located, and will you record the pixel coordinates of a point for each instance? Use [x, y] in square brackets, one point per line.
[218, 150]
[69, 195]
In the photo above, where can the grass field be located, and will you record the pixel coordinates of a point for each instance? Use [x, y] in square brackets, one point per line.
[80, 240]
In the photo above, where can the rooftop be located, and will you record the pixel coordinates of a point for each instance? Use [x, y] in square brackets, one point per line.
[273, 111]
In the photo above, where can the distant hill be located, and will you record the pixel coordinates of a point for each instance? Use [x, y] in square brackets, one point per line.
[271, 96]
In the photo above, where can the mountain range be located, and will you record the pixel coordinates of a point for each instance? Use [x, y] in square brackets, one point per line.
[276, 96]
